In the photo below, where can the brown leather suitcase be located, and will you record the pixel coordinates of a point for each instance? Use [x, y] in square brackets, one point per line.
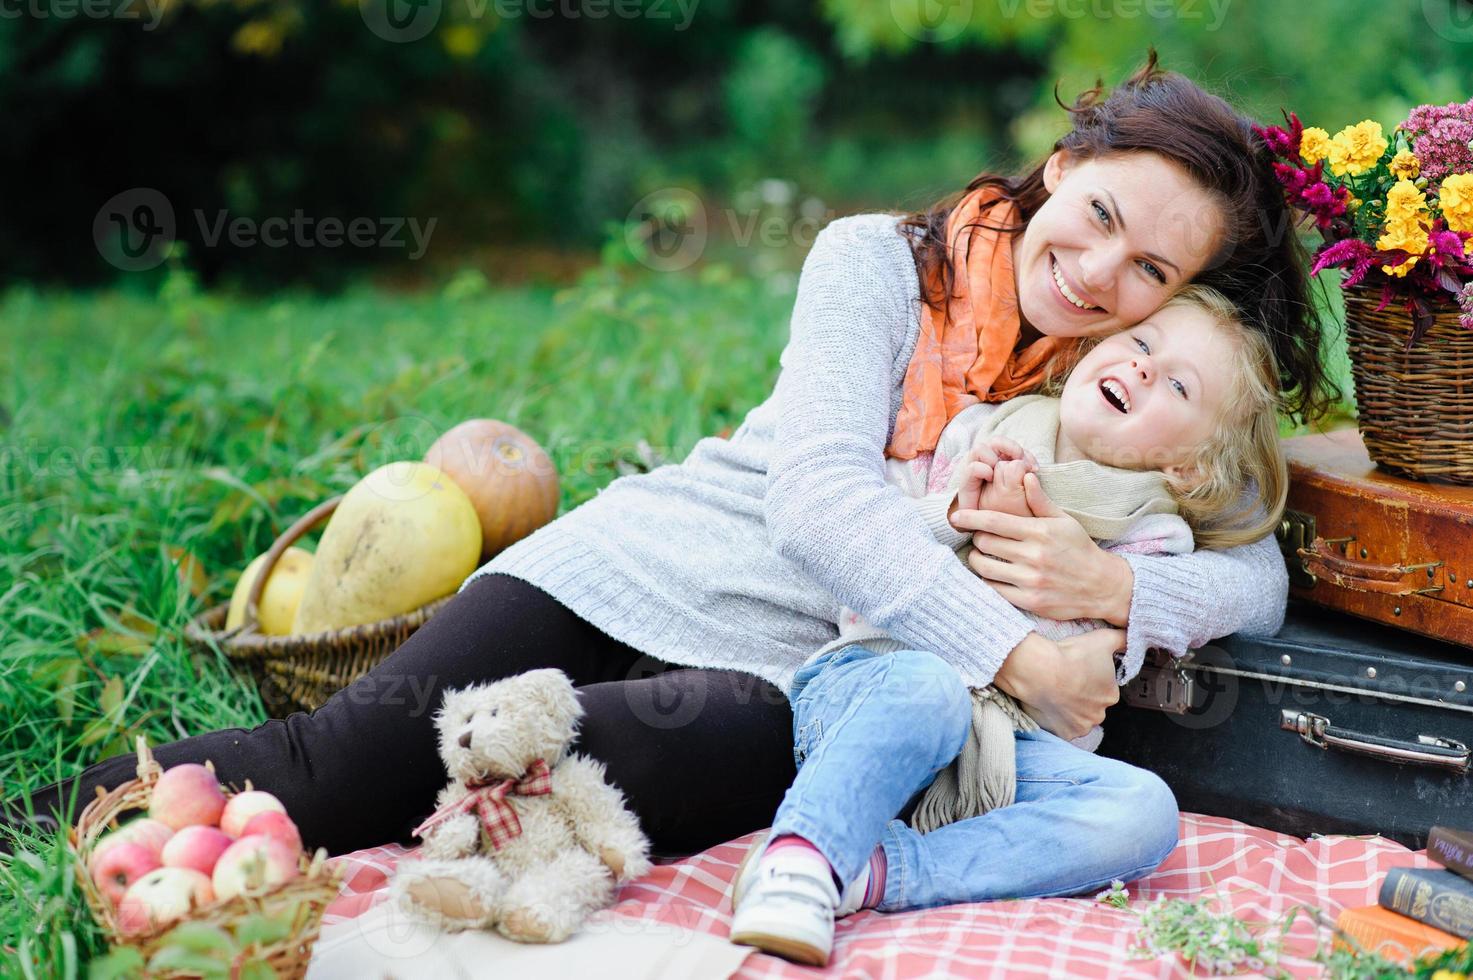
[1382, 547]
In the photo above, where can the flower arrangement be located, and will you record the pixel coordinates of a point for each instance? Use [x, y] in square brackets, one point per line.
[1395, 211]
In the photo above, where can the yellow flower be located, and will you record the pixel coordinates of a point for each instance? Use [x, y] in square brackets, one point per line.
[1314, 145]
[1456, 200]
[1355, 149]
[1405, 204]
[1449, 975]
[1405, 229]
[1405, 165]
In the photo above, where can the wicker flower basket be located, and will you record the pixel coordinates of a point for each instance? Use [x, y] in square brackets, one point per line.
[1416, 406]
[305, 897]
[300, 672]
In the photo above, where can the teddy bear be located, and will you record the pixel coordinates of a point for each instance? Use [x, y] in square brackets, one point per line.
[527, 837]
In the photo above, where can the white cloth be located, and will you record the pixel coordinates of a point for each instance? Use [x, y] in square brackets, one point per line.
[383, 942]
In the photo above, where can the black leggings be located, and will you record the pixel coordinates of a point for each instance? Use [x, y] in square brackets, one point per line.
[701, 755]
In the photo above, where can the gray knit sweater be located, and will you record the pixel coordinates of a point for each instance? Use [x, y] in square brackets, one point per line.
[742, 555]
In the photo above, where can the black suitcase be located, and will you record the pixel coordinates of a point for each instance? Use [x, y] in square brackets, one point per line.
[1334, 726]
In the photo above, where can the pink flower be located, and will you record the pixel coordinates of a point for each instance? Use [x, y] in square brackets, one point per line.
[1284, 143]
[1317, 195]
[1352, 254]
[1465, 304]
[1440, 137]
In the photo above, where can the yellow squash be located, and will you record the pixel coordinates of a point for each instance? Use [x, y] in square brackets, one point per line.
[279, 599]
[403, 536]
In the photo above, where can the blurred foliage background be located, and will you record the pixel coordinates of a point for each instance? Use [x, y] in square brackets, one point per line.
[526, 127]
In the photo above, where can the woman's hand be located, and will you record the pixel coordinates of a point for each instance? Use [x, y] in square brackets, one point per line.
[1046, 563]
[1065, 686]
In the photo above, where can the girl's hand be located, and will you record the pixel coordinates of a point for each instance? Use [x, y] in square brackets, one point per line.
[1065, 686]
[982, 465]
[1047, 564]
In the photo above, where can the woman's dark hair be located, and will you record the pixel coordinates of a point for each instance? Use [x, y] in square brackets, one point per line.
[1261, 266]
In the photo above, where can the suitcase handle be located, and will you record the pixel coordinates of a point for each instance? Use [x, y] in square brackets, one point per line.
[1427, 750]
[1323, 561]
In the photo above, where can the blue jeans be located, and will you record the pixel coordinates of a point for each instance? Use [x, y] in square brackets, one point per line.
[873, 730]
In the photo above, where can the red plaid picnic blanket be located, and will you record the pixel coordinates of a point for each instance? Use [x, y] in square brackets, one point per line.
[1260, 875]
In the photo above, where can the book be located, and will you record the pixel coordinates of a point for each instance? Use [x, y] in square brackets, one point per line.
[1393, 936]
[1452, 848]
[1439, 898]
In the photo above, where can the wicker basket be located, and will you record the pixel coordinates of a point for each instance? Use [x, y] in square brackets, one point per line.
[300, 672]
[309, 893]
[1416, 406]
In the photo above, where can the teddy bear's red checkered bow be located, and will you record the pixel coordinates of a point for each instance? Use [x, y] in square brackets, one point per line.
[489, 800]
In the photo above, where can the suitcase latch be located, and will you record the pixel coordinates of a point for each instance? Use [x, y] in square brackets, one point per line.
[1296, 530]
[1161, 687]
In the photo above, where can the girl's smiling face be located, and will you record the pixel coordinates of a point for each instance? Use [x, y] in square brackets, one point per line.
[1117, 236]
[1147, 398]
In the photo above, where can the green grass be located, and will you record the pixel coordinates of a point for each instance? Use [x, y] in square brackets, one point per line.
[141, 430]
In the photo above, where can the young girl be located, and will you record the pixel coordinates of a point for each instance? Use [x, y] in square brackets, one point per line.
[1163, 437]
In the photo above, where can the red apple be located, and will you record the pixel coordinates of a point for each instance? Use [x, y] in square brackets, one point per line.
[152, 834]
[187, 795]
[196, 847]
[119, 866]
[253, 864]
[274, 824]
[243, 806]
[161, 896]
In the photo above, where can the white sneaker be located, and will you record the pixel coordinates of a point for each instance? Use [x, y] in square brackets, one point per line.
[787, 906]
[849, 903]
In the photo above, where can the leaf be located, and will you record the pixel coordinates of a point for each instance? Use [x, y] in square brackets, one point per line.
[201, 937]
[130, 633]
[66, 692]
[264, 929]
[176, 959]
[97, 729]
[189, 571]
[122, 962]
[111, 700]
[257, 970]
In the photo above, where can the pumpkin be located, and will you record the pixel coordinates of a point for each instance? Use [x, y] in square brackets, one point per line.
[510, 480]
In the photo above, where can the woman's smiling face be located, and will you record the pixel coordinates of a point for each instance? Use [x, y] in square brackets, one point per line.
[1117, 236]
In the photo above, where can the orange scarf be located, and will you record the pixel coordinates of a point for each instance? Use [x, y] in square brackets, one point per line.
[972, 354]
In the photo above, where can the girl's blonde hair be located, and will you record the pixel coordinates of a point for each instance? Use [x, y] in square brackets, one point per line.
[1243, 451]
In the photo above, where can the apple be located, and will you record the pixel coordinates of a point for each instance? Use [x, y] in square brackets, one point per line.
[274, 824]
[118, 867]
[196, 847]
[253, 864]
[161, 896]
[243, 806]
[187, 795]
[152, 834]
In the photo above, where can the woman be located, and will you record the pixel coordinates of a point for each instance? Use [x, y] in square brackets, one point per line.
[681, 601]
